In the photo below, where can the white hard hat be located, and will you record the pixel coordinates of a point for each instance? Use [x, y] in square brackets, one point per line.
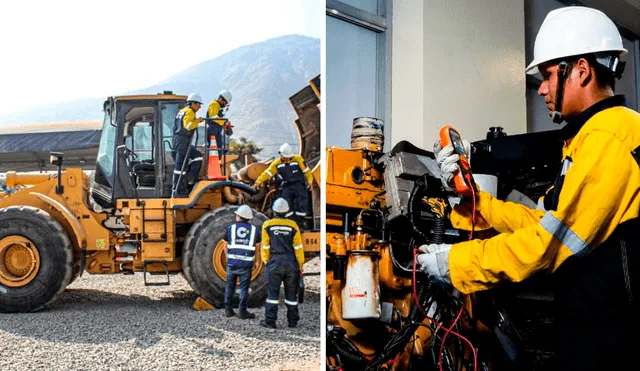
[194, 97]
[575, 30]
[286, 151]
[244, 212]
[226, 94]
[280, 206]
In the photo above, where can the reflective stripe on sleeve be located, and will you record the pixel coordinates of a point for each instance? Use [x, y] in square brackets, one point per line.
[266, 247]
[297, 247]
[563, 233]
[290, 302]
[272, 301]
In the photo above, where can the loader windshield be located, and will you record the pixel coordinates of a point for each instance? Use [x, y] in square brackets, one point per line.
[107, 147]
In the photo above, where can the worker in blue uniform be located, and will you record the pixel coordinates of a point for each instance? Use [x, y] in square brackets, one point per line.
[242, 240]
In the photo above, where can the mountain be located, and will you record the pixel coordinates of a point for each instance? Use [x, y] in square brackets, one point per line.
[261, 76]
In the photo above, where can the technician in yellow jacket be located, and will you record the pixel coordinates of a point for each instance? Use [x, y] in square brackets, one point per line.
[283, 254]
[294, 180]
[588, 233]
[187, 159]
[215, 110]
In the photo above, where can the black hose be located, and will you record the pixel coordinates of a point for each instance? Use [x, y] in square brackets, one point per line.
[395, 261]
[350, 354]
[415, 314]
[397, 342]
[412, 199]
[438, 230]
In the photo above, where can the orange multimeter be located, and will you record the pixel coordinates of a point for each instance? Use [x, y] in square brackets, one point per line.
[462, 179]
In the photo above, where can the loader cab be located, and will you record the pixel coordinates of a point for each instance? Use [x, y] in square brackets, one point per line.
[135, 155]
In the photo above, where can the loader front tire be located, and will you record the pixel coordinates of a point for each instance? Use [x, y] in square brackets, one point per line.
[36, 259]
[203, 250]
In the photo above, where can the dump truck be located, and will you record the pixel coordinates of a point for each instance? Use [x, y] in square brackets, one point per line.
[122, 218]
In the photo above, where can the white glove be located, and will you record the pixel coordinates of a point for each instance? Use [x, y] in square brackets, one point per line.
[448, 162]
[434, 261]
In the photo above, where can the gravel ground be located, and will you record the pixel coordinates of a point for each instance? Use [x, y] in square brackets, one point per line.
[116, 323]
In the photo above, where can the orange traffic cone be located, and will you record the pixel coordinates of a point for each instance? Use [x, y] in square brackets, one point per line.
[213, 166]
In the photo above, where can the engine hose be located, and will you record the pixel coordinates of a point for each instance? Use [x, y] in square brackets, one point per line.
[412, 199]
[438, 230]
[347, 353]
[395, 345]
[415, 314]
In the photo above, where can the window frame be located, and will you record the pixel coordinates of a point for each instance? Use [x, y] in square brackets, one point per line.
[380, 24]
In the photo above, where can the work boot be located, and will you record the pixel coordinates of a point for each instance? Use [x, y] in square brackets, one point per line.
[243, 314]
[267, 324]
[293, 324]
[229, 312]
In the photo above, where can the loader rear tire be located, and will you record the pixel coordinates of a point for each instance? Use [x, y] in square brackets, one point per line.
[36, 259]
[202, 244]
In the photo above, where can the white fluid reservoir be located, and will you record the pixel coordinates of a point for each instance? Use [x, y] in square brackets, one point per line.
[361, 293]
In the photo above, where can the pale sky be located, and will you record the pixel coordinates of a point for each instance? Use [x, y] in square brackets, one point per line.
[55, 51]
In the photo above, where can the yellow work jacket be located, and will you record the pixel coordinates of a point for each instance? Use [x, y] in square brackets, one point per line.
[282, 236]
[273, 170]
[189, 120]
[214, 110]
[601, 190]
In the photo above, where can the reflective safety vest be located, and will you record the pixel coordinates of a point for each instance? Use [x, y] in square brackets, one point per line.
[241, 246]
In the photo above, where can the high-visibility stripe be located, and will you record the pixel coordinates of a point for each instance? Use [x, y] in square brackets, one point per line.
[240, 257]
[566, 164]
[266, 247]
[268, 172]
[233, 235]
[178, 172]
[290, 302]
[306, 169]
[301, 213]
[293, 163]
[289, 214]
[563, 233]
[253, 236]
[242, 247]
[272, 301]
[195, 159]
[279, 166]
[281, 228]
[297, 247]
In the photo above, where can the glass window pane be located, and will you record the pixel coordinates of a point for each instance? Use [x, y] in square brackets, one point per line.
[107, 147]
[370, 6]
[169, 113]
[351, 78]
[142, 141]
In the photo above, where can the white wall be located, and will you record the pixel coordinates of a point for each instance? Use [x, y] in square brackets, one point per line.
[458, 63]
[407, 72]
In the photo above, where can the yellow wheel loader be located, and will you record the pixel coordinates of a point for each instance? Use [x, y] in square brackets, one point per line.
[54, 227]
